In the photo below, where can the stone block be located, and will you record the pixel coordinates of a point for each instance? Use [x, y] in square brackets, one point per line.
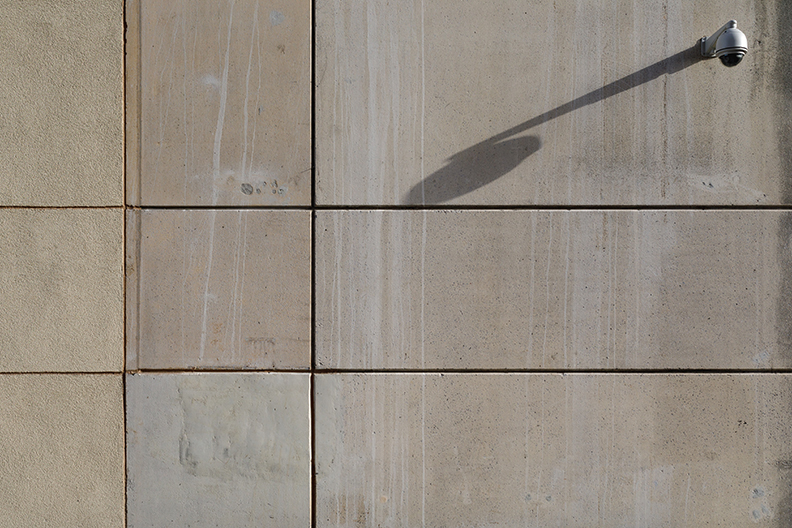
[600, 290]
[224, 111]
[61, 290]
[61, 450]
[219, 289]
[218, 449]
[61, 103]
[552, 102]
[542, 450]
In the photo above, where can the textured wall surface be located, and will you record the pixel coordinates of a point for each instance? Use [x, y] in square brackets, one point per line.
[61, 264]
[62, 462]
[60, 270]
[61, 124]
[394, 263]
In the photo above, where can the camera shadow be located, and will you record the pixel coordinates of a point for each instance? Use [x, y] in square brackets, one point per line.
[488, 160]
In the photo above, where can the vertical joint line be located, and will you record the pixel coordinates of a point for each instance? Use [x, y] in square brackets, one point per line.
[311, 384]
[124, 51]
[124, 178]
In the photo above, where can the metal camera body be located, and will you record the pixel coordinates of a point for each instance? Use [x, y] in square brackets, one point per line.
[728, 44]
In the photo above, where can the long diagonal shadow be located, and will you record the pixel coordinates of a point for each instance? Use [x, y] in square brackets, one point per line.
[494, 157]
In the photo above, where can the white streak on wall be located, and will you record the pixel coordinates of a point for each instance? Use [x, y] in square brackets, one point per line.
[566, 285]
[185, 120]
[423, 105]
[221, 111]
[335, 326]
[247, 93]
[423, 378]
[529, 355]
[547, 288]
[242, 282]
[215, 179]
[206, 294]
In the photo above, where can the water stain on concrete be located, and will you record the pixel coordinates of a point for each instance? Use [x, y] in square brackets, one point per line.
[276, 18]
[227, 434]
[783, 508]
[783, 76]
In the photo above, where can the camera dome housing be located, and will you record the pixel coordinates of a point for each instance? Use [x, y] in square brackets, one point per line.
[731, 47]
[729, 44]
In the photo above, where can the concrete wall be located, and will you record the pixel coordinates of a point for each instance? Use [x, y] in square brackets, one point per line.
[376, 263]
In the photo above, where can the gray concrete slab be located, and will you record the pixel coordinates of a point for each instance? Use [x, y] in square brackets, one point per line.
[553, 290]
[552, 102]
[219, 289]
[218, 449]
[542, 450]
[225, 103]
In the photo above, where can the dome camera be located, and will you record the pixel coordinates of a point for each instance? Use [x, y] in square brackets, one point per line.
[728, 44]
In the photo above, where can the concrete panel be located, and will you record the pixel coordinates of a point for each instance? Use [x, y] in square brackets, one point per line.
[220, 289]
[553, 290]
[61, 290]
[552, 450]
[218, 450]
[61, 451]
[551, 102]
[61, 109]
[225, 103]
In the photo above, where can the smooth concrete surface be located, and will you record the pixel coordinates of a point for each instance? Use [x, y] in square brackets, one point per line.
[590, 106]
[62, 290]
[61, 102]
[553, 289]
[225, 102]
[542, 450]
[61, 451]
[218, 449]
[549, 102]
[219, 288]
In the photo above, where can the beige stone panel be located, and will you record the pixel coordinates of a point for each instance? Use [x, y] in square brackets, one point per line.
[548, 102]
[225, 103]
[61, 451]
[494, 289]
[541, 450]
[62, 290]
[61, 109]
[220, 289]
[218, 449]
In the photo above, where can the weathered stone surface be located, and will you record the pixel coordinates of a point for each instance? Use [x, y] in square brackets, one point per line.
[61, 110]
[61, 290]
[553, 290]
[225, 103]
[218, 450]
[218, 288]
[553, 450]
[61, 450]
[552, 102]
